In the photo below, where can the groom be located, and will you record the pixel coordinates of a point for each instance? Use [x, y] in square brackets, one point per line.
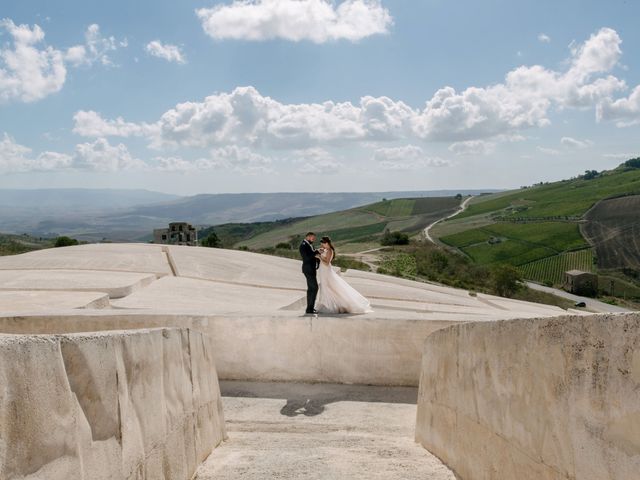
[310, 262]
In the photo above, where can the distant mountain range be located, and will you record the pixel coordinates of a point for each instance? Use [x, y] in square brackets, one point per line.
[80, 199]
[131, 215]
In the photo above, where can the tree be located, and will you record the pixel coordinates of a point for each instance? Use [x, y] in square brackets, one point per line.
[394, 238]
[633, 163]
[506, 280]
[65, 242]
[459, 196]
[590, 174]
[212, 241]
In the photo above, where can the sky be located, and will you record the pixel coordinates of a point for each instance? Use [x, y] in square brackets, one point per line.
[226, 96]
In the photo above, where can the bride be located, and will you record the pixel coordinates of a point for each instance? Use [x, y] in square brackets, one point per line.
[335, 295]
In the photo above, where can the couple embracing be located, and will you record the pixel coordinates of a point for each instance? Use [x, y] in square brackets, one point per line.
[333, 294]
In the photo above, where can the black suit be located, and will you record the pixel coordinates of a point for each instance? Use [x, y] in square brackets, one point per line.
[309, 265]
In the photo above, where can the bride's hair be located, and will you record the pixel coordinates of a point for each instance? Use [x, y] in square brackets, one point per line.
[328, 241]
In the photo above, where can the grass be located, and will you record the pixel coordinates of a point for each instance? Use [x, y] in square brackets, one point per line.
[517, 243]
[401, 207]
[535, 296]
[356, 233]
[467, 238]
[551, 269]
[621, 288]
[16, 244]
[512, 252]
[428, 205]
[359, 224]
[571, 198]
[319, 224]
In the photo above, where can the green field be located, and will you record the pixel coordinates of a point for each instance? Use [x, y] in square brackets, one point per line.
[392, 208]
[517, 243]
[362, 224]
[570, 198]
[551, 269]
[538, 228]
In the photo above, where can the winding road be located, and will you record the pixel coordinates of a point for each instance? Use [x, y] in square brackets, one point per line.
[461, 208]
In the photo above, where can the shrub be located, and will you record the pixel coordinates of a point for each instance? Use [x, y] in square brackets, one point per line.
[65, 242]
[394, 238]
[506, 280]
[283, 246]
[346, 263]
[400, 265]
[211, 241]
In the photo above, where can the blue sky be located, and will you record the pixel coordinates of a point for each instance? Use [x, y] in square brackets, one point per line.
[312, 95]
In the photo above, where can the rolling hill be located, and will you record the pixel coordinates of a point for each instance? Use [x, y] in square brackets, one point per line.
[363, 224]
[588, 223]
[131, 215]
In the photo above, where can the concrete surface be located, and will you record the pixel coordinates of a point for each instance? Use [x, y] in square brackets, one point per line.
[45, 301]
[126, 405]
[282, 347]
[320, 432]
[534, 399]
[251, 305]
[117, 257]
[221, 281]
[115, 284]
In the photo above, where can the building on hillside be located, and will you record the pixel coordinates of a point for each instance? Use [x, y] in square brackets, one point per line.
[178, 233]
[580, 282]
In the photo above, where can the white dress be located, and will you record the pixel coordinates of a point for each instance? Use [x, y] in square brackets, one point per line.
[335, 295]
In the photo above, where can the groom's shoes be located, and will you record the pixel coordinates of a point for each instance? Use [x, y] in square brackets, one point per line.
[311, 312]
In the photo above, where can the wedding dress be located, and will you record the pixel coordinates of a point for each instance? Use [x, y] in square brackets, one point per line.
[336, 295]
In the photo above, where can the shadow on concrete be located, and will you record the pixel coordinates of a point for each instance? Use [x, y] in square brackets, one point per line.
[306, 407]
[310, 399]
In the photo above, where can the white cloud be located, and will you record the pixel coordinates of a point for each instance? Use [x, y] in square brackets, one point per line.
[526, 97]
[472, 148]
[96, 48]
[544, 38]
[174, 164]
[91, 124]
[620, 156]
[29, 71]
[100, 156]
[477, 114]
[623, 111]
[168, 52]
[406, 157]
[16, 158]
[246, 117]
[317, 161]
[549, 151]
[53, 161]
[232, 158]
[239, 159]
[316, 20]
[570, 142]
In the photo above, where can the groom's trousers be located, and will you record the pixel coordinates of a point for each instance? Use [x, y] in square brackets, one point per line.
[312, 290]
